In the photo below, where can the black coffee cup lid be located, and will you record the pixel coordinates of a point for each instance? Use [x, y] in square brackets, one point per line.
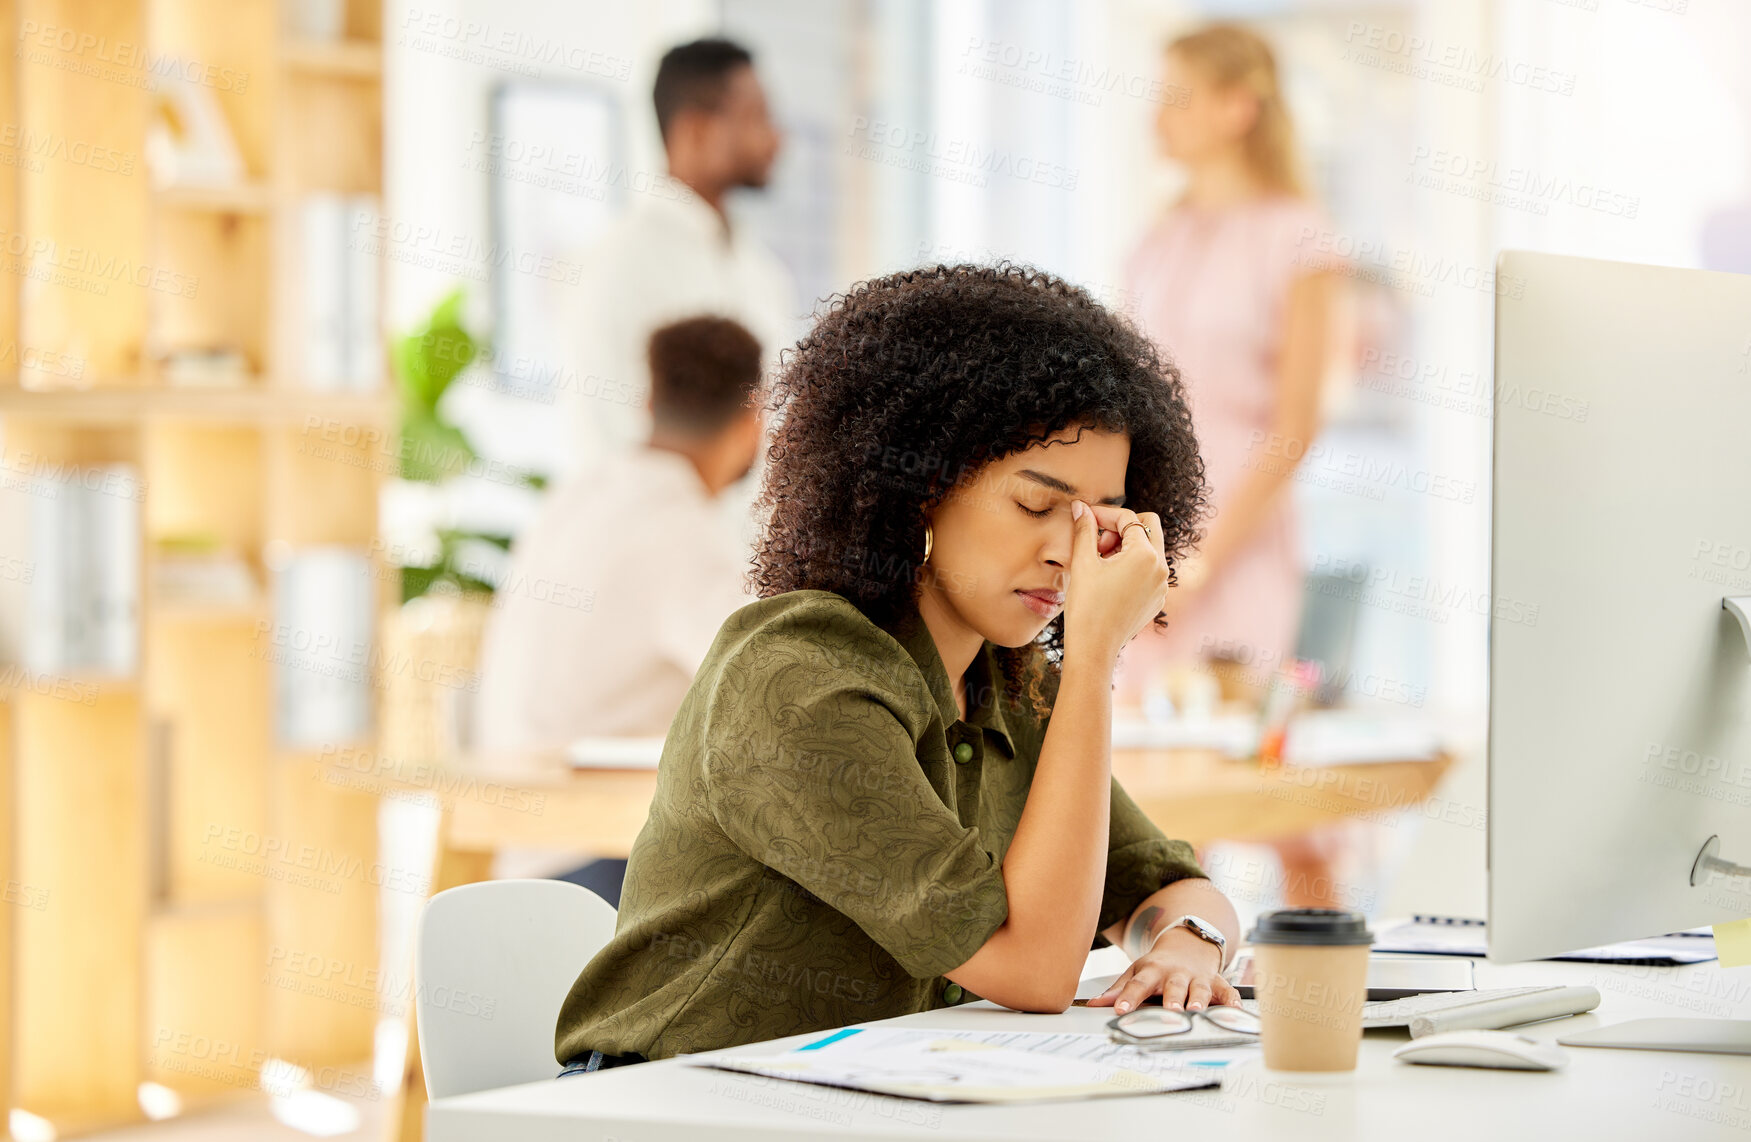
[1327, 927]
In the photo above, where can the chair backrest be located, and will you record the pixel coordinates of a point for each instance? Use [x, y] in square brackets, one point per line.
[495, 961]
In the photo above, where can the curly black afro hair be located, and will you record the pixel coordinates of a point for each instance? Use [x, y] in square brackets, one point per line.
[910, 383]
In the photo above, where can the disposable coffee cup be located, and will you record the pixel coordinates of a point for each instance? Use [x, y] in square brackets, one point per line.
[1310, 978]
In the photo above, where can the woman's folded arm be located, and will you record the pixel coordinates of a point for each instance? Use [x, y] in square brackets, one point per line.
[1055, 869]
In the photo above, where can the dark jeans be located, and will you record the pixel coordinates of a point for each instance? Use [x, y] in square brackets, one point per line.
[603, 877]
[599, 1062]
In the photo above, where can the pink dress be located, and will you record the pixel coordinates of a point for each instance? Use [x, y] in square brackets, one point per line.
[1209, 286]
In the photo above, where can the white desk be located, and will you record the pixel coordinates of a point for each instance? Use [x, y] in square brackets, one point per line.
[1601, 1095]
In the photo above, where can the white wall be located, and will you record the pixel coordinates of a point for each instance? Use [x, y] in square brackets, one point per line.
[441, 67]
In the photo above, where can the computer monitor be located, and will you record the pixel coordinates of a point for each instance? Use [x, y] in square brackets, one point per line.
[1620, 682]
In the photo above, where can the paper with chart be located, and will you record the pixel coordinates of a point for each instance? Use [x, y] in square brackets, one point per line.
[982, 1066]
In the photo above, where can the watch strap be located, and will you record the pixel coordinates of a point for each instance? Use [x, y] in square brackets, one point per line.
[1199, 929]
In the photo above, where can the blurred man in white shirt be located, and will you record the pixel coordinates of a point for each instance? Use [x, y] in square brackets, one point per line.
[617, 589]
[675, 254]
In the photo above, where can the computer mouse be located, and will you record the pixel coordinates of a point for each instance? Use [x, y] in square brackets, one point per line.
[1483, 1049]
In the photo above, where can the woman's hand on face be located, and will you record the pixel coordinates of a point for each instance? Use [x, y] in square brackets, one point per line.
[1180, 967]
[1115, 587]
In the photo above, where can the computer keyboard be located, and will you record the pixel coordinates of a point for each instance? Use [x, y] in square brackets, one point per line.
[1400, 1012]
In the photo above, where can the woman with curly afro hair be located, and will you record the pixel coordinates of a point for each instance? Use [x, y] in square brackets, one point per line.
[889, 788]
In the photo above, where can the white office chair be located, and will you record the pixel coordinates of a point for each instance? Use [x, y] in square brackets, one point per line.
[494, 963]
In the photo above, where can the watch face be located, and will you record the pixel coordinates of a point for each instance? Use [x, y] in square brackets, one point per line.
[1208, 931]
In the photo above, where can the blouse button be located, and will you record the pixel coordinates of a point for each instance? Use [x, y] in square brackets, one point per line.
[964, 752]
[952, 993]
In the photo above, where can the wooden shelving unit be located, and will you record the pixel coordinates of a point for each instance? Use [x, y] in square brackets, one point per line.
[134, 948]
[130, 404]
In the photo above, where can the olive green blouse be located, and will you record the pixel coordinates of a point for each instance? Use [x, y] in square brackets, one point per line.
[826, 839]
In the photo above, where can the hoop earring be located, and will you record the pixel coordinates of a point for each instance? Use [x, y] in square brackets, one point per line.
[928, 539]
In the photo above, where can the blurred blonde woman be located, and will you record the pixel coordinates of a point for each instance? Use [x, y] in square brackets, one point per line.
[1232, 282]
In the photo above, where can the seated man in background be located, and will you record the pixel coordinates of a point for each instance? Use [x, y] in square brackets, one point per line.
[618, 587]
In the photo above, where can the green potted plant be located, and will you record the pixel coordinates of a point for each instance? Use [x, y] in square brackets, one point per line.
[427, 360]
[432, 641]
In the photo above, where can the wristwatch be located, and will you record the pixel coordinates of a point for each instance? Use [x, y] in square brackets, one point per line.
[1204, 930]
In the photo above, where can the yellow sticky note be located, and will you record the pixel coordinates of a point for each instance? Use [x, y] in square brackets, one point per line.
[1733, 943]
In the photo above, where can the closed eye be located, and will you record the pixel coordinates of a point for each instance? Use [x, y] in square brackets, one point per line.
[1041, 514]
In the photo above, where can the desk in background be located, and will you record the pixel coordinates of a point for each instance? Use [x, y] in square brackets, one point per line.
[1198, 795]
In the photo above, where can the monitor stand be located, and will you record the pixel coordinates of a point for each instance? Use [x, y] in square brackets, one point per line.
[1712, 1036]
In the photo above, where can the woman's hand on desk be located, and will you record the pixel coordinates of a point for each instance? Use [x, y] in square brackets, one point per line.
[1182, 967]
